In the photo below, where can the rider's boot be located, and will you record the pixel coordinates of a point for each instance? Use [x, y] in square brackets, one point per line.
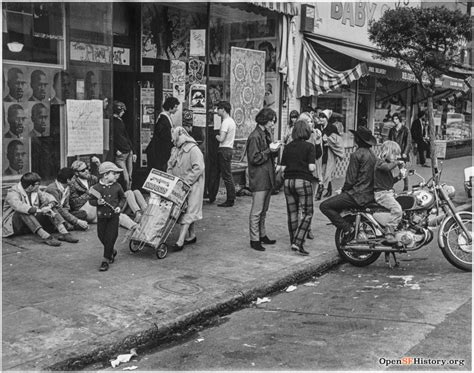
[390, 236]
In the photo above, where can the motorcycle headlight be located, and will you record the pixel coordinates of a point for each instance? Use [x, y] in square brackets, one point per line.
[449, 190]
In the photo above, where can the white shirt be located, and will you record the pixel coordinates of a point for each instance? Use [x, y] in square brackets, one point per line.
[228, 126]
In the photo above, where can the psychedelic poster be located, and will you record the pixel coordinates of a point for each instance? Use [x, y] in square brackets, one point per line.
[247, 88]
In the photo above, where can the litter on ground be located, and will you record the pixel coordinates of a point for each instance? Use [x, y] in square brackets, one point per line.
[262, 300]
[291, 288]
[125, 358]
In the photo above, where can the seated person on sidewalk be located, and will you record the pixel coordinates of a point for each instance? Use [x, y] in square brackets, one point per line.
[27, 209]
[79, 198]
[387, 172]
[60, 190]
[358, 188]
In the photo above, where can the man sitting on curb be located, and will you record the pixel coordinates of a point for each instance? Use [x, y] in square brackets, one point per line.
[27, 209]
[79, 198]
[60, 190]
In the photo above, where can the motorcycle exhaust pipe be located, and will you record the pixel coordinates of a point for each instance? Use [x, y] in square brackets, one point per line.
[376, 248]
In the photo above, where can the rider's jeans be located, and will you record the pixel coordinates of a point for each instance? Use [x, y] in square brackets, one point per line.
[386, 198]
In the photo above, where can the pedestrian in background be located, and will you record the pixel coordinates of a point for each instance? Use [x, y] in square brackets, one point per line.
[419, 134]
[226, 139]
[298, 163]
[109, 204]
[400, 134]
[293, 118]
[159, 149]
[124, 156]
[261, 153]
[332, 150]
[187, 163]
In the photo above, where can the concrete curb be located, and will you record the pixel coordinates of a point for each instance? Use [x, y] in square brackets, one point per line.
[157, 334]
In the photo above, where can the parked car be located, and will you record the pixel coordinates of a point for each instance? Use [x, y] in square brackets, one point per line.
[468, 180]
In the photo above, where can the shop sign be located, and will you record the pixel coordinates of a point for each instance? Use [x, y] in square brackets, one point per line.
[121, 56]
[87, 52]
[349, 21]
[440, 148]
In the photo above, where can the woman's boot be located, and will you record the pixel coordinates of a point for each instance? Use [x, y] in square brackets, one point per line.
[319, 193]
[328, 191]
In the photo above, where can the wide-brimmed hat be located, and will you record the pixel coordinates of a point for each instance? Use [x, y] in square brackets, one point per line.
[107, 167]
[365, 135]
[327, 113]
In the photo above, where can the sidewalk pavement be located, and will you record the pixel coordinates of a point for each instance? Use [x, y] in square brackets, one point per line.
[61, 313]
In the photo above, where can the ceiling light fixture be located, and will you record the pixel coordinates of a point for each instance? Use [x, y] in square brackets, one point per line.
[15, 46]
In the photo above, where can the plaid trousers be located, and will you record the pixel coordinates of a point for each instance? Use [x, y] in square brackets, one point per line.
[299, 201]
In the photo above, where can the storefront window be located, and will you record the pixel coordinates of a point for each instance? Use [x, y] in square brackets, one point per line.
[33, 32]
[391, 97]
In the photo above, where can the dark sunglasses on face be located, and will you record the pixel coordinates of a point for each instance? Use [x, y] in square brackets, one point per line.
[83, 170]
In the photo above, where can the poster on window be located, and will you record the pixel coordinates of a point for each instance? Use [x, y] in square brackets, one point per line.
[247, 88]
[197, 43]
[197, 98]
[178, 71]
[147, 98]
[15, 158]
[85, 130]
[271, 93]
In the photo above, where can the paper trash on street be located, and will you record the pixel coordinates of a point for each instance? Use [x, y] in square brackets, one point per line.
[133, 367]
[263, 300]
[311, 283]
[125, 358]
[290, 288]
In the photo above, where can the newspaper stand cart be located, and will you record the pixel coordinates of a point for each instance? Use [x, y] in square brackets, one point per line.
[168, 201]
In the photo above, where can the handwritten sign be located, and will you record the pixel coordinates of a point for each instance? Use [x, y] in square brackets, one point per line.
[85, 127]
[88, 52]
[167, 186]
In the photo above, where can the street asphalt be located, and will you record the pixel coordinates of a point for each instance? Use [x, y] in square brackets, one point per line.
[59, 312]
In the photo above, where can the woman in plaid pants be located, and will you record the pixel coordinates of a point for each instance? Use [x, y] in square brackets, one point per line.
[299, 162]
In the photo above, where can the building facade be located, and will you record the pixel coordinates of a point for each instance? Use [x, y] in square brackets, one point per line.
[64, 63]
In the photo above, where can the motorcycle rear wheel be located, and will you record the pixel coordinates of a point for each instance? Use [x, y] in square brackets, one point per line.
[456, 247]
[357, 258]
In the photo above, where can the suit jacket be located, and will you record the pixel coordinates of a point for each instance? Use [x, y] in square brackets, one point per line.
[17, 201]
[159, 149]
[79, 193]
[359, 183]
[401, 137]
[64, 207]
[261, 161]
[10, 172]
[417, 130]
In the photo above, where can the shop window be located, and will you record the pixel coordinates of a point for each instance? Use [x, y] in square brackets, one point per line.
[33, 32]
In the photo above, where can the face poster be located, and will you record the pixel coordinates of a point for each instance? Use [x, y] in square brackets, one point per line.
[197, 98]
[15, 158]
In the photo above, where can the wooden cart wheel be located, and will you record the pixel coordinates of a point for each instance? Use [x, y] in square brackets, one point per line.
[134, 246]
[162, 251]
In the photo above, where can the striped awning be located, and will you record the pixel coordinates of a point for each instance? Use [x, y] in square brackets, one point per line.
[288, 8]
[315, 77]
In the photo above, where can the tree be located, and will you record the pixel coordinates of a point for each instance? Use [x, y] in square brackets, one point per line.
[427, 40]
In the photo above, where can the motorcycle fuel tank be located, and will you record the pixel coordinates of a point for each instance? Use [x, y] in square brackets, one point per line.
[424, 199]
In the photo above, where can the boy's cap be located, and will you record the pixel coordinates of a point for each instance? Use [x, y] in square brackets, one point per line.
[107, 167]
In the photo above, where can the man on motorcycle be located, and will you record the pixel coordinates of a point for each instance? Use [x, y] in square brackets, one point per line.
[358, 189]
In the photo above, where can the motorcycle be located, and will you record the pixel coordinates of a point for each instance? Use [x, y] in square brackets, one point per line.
[414, 231]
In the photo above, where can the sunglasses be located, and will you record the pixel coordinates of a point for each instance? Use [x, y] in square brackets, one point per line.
[83, 170]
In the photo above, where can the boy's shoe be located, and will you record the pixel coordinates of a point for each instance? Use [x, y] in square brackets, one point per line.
[50, 241]
[310, 235]
[104, 267]
[348, 235]
[138, 216]
[67, 237]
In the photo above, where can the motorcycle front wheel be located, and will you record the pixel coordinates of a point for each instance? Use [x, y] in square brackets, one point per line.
[457, 248]
[357, 258]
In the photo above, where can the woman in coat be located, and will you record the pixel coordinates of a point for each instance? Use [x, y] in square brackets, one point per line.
[261, 167]
[187, 163]
[158, 150]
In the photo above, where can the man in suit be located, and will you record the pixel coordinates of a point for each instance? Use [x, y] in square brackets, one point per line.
[16, 158]
[419, 134]
[16, 120]
[16, 84]
[39, 85]
[39, 117]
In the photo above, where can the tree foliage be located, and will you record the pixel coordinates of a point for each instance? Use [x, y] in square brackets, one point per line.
[428, 40]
